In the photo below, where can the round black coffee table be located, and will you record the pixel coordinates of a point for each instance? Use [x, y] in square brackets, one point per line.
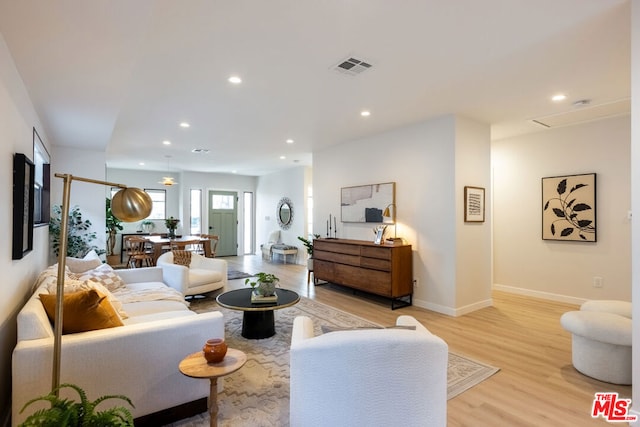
[258, 319]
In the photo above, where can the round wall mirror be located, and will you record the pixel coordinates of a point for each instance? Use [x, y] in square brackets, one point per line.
[284, 213]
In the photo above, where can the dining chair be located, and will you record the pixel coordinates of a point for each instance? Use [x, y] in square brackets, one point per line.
[138, 253]
[192, 245]
[209, 246]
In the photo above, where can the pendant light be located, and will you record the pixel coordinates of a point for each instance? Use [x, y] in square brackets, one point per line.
[167, 181]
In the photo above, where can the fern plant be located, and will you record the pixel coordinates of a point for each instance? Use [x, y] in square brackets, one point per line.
[65, 412]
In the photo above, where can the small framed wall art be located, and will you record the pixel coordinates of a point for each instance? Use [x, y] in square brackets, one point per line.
[569, 208]
[473, 204]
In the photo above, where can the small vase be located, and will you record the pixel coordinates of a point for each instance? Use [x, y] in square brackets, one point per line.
[214, 350]
[172, 233]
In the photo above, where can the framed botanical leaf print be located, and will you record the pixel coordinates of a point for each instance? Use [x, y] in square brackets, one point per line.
[569, 208]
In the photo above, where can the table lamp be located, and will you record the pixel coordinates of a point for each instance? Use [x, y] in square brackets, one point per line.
[389, 217]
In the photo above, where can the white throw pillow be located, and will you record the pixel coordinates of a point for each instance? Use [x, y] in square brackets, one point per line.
[80, 265]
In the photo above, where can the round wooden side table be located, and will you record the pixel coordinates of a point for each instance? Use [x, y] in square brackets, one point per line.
[196, 366]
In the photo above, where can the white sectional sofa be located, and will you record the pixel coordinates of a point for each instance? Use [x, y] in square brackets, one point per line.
[139, 360]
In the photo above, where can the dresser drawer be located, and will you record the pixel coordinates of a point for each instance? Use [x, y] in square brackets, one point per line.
[373, 252]
[336, 257]
[376, 282]
[329, 246]
[375, 263]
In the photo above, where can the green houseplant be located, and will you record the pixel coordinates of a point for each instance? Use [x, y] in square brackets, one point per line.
[264, 284]
[66, 412]
[79, 233]
[308, 244]
[172, 225]
[113, 225]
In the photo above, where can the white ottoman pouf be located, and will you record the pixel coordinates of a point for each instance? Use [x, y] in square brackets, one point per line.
[601, 344]
[623, 308]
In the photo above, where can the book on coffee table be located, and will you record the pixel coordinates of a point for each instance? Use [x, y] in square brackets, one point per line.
[255, 298]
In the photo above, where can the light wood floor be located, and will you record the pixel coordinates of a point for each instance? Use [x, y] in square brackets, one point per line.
[536, 385]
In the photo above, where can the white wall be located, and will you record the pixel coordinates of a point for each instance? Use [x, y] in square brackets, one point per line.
[88, 197]
[473, 240]
[17, 119]
[525, 263]
[422, 160]
[292, 183]
[635, 195]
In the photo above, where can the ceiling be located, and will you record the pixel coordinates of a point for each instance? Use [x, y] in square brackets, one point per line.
[120, 75]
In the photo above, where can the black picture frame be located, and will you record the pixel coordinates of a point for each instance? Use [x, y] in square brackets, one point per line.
[473, 204]
[569, 208]
[23, 203]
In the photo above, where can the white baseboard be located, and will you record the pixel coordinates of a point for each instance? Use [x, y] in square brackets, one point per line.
[453, 312]
[539, 294]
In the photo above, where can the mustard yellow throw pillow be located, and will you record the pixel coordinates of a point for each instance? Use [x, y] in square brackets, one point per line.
[82, 311]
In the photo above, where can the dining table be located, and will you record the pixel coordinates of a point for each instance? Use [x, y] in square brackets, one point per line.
[160, 242]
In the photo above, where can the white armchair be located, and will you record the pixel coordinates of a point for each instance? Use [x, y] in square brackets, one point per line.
[368, 377]
[201, 276]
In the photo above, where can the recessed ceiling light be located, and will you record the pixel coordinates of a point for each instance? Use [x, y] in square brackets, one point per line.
[235, 80]
[289, 141]
[234, 171]
[365, 113]
[141, 164]
[184, 125]
[283, 157]
[166, 142]
[559, 97]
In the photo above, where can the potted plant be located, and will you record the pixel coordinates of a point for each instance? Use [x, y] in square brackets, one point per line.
[309, 245]
[113, 225]
[147, 226]
[66, 412]
[172, 225]
[264, 284]
[79, 233]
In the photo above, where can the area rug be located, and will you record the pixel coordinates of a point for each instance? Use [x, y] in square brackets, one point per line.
[258, 394]
[234, 274]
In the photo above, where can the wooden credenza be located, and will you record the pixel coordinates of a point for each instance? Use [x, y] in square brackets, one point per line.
[385, 270]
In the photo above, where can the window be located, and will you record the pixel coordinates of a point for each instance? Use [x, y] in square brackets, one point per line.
[159, 199]
[248, 223]
[196, 212]
[310, 212]
[41, 185]
[222, 201]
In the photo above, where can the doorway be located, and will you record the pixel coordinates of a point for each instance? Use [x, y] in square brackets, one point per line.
[223, 221]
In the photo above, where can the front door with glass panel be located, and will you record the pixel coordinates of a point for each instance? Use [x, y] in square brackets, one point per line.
[223, 221]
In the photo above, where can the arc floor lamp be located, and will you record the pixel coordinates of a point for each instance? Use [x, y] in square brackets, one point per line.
[129, 205]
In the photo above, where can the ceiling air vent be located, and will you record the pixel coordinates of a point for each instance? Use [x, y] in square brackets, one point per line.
[585, 114]
[200, 151]
[352, 66]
